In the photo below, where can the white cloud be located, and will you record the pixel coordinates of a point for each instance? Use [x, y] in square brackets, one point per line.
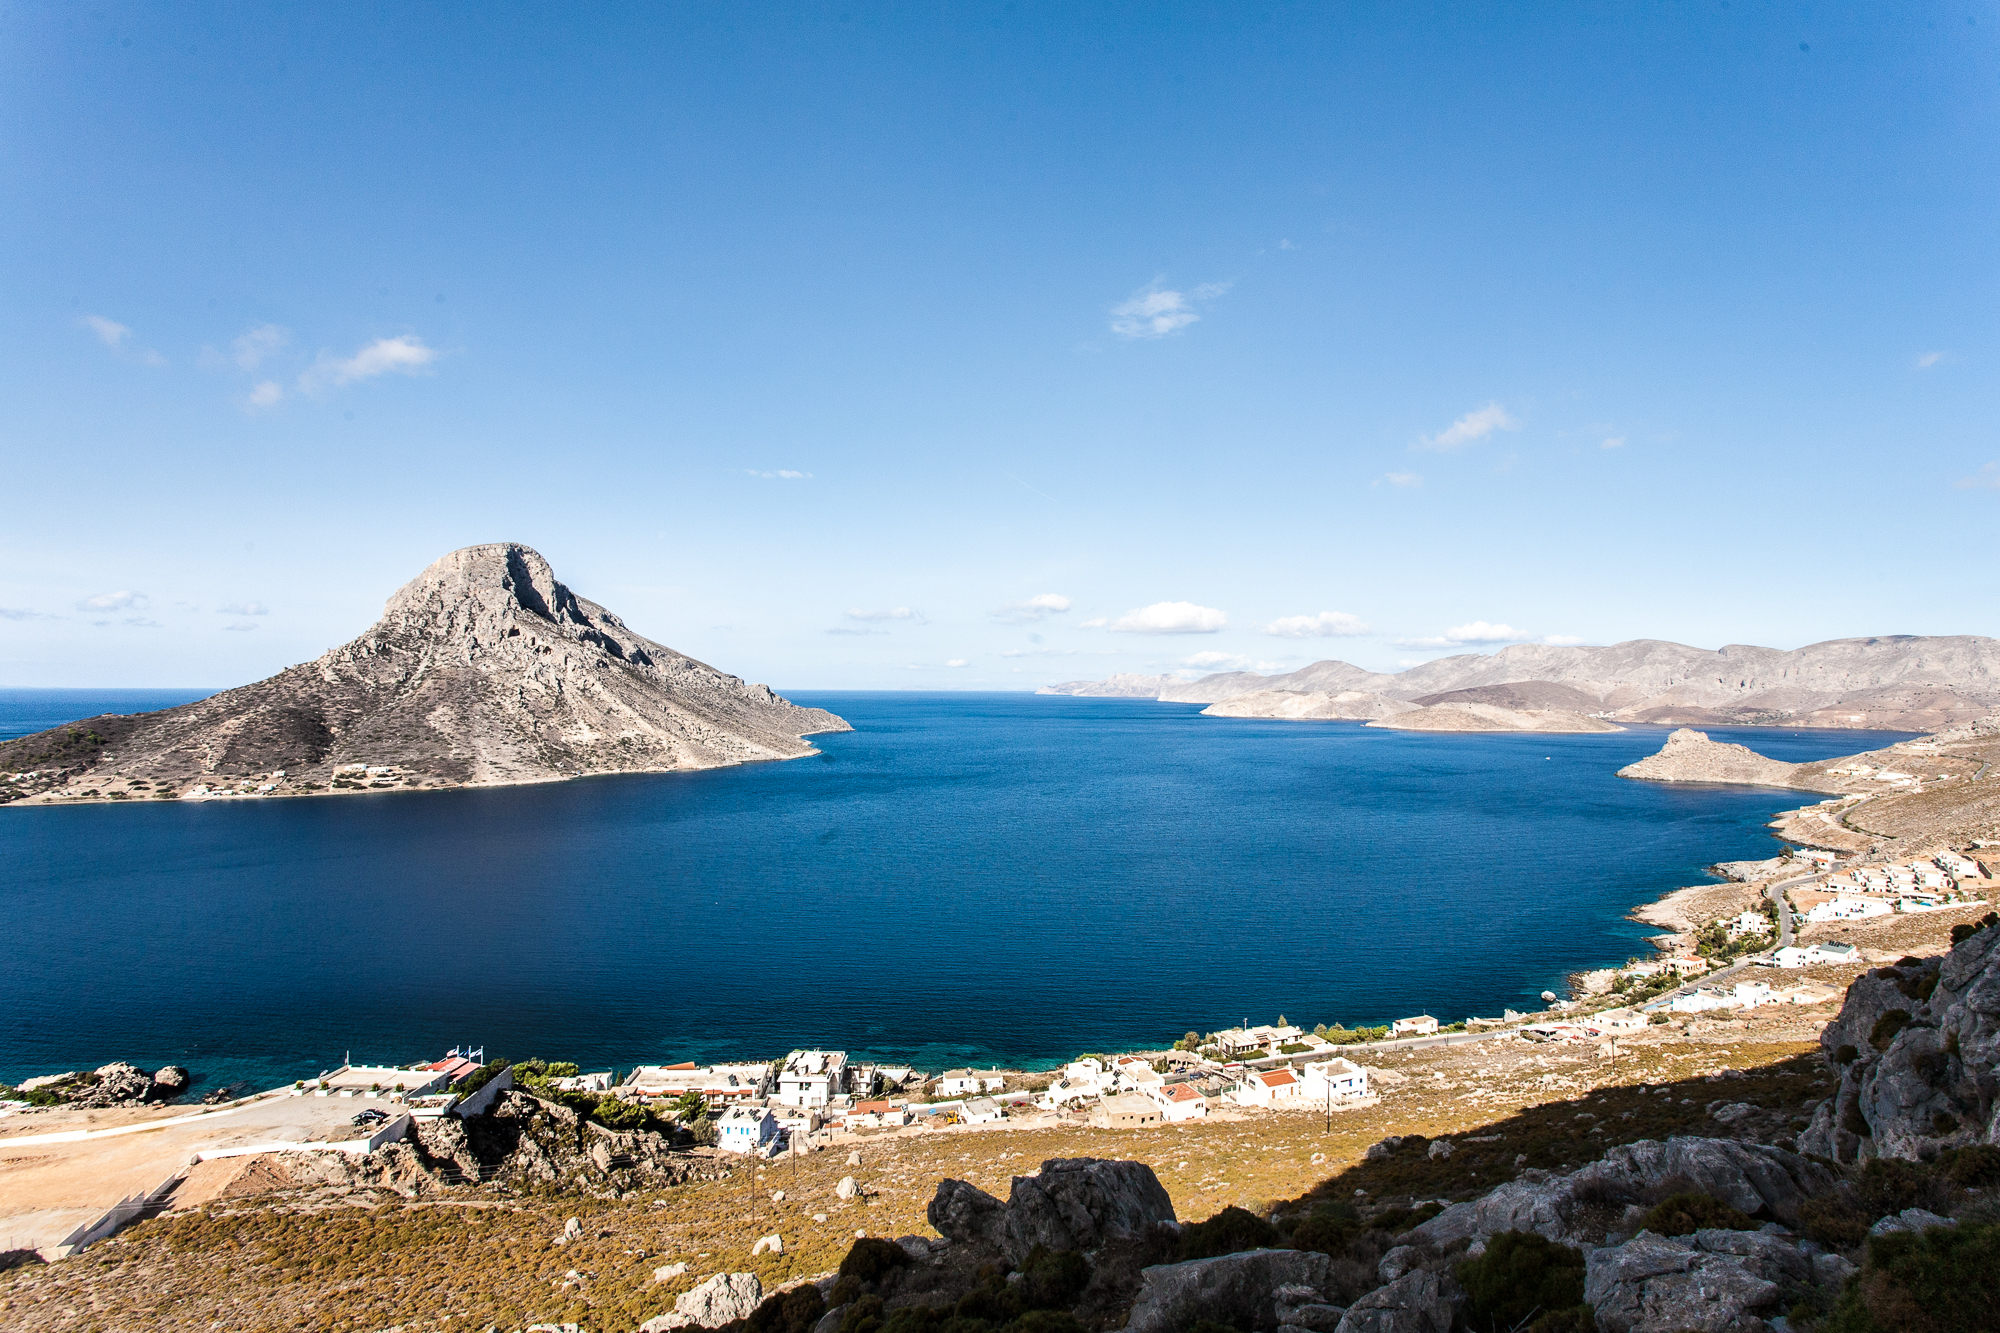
[113, 601]
[17, 613]
[242, 625]
[245, 609]
[1171, 618]
[1325, 625]
[1406, 480]
[1155, 312]
[779, 474]
[1986, 479]
[266, 394]
[261, 342]
[958, 662]
[1039, 607]
[1095, 622]
[1477, 634]
[1613, 442]
[1929, 359]
[140, 622]
[895, 613]
[405, 354]
[1562, 640]
[1469, 429]
[109, 331]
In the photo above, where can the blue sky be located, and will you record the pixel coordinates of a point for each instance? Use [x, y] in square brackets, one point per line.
[980, 346]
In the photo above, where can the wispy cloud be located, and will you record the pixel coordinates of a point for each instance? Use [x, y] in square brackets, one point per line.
[1325, 625]
[109, 331]
[894, 613]
[139, 622]
[267, 394]
[1986, 479]
[1477, 634]
[1039, 607]
[251, 350]
[122, 600]
[1171, 618]
[405, 354]
[1929, 359]
[1405, 480]
[1469, 429]
[245, 609]
[17, 613]
[241, 625]
[778, 474]
[1613, 442]
[1155, 311]
[958, 662]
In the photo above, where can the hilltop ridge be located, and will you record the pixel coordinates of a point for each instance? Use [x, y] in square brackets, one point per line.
[1891, 682]
[484, 669]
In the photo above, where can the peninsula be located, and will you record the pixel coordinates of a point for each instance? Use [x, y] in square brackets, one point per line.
[483, 670]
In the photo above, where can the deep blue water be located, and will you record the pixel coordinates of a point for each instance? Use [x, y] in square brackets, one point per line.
[965, 877]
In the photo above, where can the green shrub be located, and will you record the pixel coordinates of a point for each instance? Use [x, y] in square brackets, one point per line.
[794, 1311]
[1036, 1321]
[1946, 1280]
[846, 1291]
[1398, 1220]
[1976, 1167]
[1231, 1231]
[871, 1259]
[1889, 1185]
[1521, 1275]
[1965, 930]
[864, 1315]
[1847, 1055]
[1685, 1214]
[1328, 1233]
[1886, 1027]
[1052, 1279]
[1580, 1319]
[1833, 1222]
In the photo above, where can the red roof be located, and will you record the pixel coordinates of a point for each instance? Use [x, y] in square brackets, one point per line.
[872, 1108]
[1183, 1092]
[685, 1064]
[1277, 1078]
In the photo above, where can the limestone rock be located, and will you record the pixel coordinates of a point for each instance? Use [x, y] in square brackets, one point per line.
[847, 1189]
[1711, 1282]
[1398, 1261]
[718, 1301]
[854, 1159]
[1420, 1301]
[483, 669]
[169, 1082]
[771, 1244]
[1690, 756]
[1910, 1219]
[965, 1213]
[668, 1272]
[572, 1231]
[1235, 1289]
[1079, 1203]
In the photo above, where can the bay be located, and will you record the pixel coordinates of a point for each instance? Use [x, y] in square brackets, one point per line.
[965, 878]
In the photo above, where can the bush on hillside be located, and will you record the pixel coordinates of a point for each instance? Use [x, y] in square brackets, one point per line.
[1965, 930]
[1973, 1168]
[872, 1258]
[1521, 1277]
[1889, 1185]
[1833, 1221]
[1945, 1280]
[1230, 1231]
[1685, 1214]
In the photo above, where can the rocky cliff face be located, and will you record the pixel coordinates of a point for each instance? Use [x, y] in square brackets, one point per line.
[484, 669]
[1897, 682]
[1690, 756]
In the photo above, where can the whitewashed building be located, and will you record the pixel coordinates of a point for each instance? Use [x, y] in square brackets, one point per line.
[1338, 1079]
[1267, 1087]
[1423, 1025]
[746, 1129]
[1179, 1101]
[812, 1078]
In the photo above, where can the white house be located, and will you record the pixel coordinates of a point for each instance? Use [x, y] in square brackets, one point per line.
[1127, 1111]
[746, 1129]
[981, 1111]
[1134, 1075]
[1423, 1025]
[812, 1078]
[1834, 951]
[970, 1082]
[1750, 923]
[721, 1085]
[1267, 1087]
[1746, 995]
[600, 1082]
[1263, 1037]
[1790, 956]
[877, 1115]
[1338, 1079]
[1849, 909]
[1613, 1021]
[1179, 1101]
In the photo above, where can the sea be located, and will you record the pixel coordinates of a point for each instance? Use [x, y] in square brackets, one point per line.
[964, 878]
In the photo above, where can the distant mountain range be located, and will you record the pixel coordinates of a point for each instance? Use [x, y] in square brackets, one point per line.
[1896, 682]
[484, 669]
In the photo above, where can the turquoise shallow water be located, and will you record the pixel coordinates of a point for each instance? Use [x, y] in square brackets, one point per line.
[964, 878]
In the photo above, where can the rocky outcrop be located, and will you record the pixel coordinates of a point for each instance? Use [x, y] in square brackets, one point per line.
[524, 1140]
[1917, 1048]
[1756, 1179]
[1420, 1301]
[722, 1299]
[484, 669]
[1710, 1282]
[1490, 717]
[1239, 1290]
[1310, 706]
[1070, 1204]
[1690, 756]
[119, 1083]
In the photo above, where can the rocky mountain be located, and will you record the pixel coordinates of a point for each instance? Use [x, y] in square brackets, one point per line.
[1895, 682]
[1470, 716]
[1120, 685]
[484, 669]
[1690, 756]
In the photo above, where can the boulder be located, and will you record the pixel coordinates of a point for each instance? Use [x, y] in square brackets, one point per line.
[847, 1189]
[1710, 1282]
[1910, 1219]
[668, 1272]
[1240, 1290]
[572, 1231]
[1420, 1301]
[169, 1082]
[1298, 1306]
[967, 1214]
[1079, 1203]
[1441, 1148]
[771, 1244]
[1755, 1178]
[720, 1300]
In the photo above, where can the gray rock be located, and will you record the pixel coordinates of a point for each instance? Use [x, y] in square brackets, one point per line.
[1420, 1301]
[1910, 1219]
[169, 1081]
[847, 1189]
[1711, 1282]
[967, 1214]
[572, 1231]
[1398, 1262]
[668, 1272]
[1383, 1150]
[830, 1321]
[1832, 1270]
[1441, 1148]
[721, 1299]
[1235, 1289]
[1078, 1203]
[1299, 1306]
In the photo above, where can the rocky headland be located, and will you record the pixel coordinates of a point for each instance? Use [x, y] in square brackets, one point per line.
[483, 670]
[1690, 756]
[1468, 716]
[1891, 682]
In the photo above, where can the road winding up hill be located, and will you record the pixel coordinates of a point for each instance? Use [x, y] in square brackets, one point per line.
[484, 669]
